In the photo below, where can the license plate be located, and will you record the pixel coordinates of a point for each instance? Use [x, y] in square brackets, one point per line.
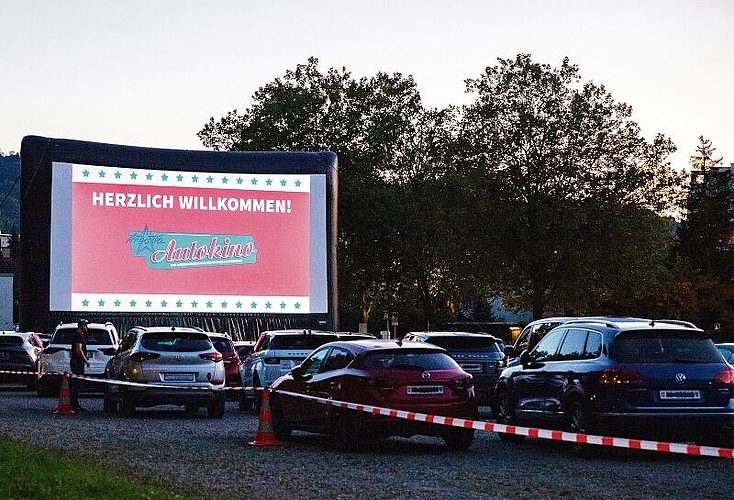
[179, 377]
[471, 367]
[684, 395]
[423, 390]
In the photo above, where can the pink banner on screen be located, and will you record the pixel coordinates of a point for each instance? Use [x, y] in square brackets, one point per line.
[104, 261]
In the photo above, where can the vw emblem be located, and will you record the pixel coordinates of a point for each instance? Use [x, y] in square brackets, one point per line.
[680, 378]
[425, 375]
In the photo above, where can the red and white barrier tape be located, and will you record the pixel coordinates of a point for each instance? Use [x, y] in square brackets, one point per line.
[635, 444]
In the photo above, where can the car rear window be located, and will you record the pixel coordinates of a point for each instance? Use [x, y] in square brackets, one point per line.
[665, 346]
[401, 360]
[10, 340]
[94, 336]
[176, 341]
[474, 344]
[223, 346]
[300, 341]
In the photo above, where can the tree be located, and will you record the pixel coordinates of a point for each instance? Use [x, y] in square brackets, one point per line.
[557, 161]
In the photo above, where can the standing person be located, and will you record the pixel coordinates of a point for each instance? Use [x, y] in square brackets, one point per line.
[78, 361]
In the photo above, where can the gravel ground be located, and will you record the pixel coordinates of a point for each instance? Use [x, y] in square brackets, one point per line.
[212, 459]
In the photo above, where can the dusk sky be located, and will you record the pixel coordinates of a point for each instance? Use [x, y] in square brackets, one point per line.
[152, 72]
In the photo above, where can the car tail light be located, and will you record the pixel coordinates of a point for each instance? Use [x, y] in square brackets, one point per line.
[271, 361]
[725, 376]
[461, 383]
[215, 381]
[615, 376]
[139, 357]
[212, 356]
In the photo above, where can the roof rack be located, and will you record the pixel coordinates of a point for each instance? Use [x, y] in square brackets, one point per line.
[678, 322]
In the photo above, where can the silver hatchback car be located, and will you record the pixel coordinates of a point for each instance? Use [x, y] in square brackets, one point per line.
[166, 366]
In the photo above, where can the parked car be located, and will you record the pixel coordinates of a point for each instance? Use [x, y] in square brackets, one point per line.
[480, 354]
[102, 344]
[275, 353]
[659, 379]
[410, 376]
[530, 335]
[156, 358]
[727, 351]
[19, 352]
[224, 344]
[244, 348]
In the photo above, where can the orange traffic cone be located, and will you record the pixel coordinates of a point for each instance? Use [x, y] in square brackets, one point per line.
[64, 407]
[265, 435]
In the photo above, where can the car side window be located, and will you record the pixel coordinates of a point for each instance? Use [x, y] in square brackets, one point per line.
[338, 359]
[523, 342]
[127, 342]
[593, 345]
[573, 345]
[548, 347]
[312, 365]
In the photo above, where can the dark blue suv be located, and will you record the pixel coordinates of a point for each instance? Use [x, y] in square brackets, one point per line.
[655, 379]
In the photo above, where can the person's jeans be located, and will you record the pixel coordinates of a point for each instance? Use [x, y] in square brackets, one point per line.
[77, 368]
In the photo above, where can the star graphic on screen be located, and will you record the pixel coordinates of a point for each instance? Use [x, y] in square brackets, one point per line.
[239, 180]
[253, 305]
[100, 303]
[134, 175]
[149, 176]
[298, 183]
[254, 181]
[85, 173]
[225, 180]
[283, 182]
[210, 179]
[164, 177]
[117, 303]
[148, 303]
[194, 178]
[224, 305]
[209, 304]
[118, 174]
[297, 305]
[146, 246]
[133, 303]
[194, 304]
[268, 305]
[101, 174]
[269, 182]
[239, 304]
[179, 304]
[85, 302]
[179, 178]
[282, 305]
[164, 303]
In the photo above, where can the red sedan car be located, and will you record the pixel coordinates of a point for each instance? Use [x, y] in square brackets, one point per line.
[224, 344]
[410, 376]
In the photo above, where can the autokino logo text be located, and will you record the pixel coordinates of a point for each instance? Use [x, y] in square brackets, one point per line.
[182, 250]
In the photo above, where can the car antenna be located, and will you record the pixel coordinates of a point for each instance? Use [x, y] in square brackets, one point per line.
[652, 323]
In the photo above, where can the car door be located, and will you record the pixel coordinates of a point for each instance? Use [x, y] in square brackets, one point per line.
[529, 384]
[304, 413]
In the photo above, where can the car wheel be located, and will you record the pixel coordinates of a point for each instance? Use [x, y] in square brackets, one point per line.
[125, 405]
[281, 430]
[344, 432]
[108, 403]
[578, 421]
[215, 409]
[459, 439]
[258, 394]
[505, 414]
[191, 408]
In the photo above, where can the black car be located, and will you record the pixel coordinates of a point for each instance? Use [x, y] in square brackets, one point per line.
[480, 354]
[655, 379]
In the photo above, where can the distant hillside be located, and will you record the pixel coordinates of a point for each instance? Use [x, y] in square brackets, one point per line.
[10, 193]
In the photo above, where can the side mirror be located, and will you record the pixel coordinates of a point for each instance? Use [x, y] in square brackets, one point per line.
[510, 351]
[526, 359]
[297, 373]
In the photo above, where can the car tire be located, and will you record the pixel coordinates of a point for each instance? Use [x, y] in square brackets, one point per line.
[281, 430]
[578, 420]
[215, 409]
[191, 408]
[109, 405]
[125, 405]
[458, 439]
[505, 414]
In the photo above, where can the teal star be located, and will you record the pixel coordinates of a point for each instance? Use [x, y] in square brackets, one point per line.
[133, 303]
[101, 174]
[283, 182]
[210, 179]
[254, 181]
[85, 302]
[225, 180]
[195, 178]
[224, 305]
[85, 173]
[194, 304]
[100, 303]
[164, 303]
[118, 174]
[269, 182]
[149, 176]
[268, 305]
[164, 177]
[117, 303]
[298, 183]
[209, 304]
[239, 304]
[179, 304]
[179, 178]
[148, 303]
[282, 305]
[239, 180]
[297, 305]
[134, 175]
[253, 305]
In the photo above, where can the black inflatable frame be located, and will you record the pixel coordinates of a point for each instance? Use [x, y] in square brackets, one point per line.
[37, 155]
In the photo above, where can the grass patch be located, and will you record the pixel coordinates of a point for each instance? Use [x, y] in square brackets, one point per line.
[28, 472]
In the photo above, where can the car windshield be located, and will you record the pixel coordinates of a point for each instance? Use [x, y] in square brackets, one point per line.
[10, 340]
[300, 341]
[223, 346]
[665, 346]
[176, 341]
[400, 360]
[474, 344]
[94, 336]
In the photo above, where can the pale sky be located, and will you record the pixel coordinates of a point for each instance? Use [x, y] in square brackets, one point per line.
[152, 72]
